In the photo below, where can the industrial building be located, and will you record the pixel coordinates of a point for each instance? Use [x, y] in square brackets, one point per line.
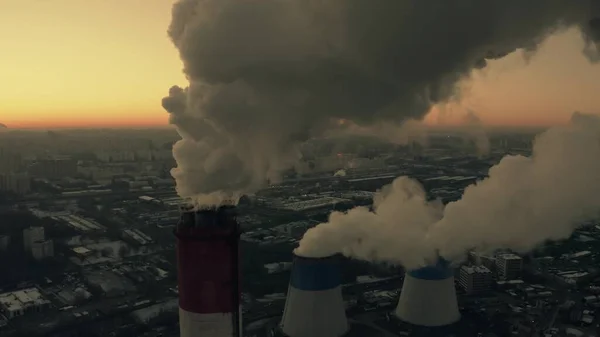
[136, 236]
[18, 303]
[475, 279]
[208, 273]
[294, 229]
[428, 297]
[18, 183]
[305, 205]
[78, 223]
[54, 168]
[4, 242]
[509, 266]
[483, 260]
[31, 235]
[10, 160]
[314, 306]
[42, 249]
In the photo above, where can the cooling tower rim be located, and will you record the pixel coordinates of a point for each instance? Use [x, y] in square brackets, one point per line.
[321, 258]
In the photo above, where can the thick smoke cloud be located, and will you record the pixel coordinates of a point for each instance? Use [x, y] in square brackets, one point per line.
[267, 75]
[524, 202]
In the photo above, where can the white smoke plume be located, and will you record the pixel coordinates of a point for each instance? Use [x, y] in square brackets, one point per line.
[529, 200]
[266, 75]
[394, 232]
[524, 202]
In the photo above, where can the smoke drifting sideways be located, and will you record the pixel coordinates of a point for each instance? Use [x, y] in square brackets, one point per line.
[524, 202]
[267, 75]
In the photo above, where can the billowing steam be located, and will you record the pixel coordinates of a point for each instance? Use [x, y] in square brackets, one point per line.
[266, 75]
[524, 202]
[395, 232]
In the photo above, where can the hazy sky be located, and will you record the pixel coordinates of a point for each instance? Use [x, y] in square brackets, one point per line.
[109, 63]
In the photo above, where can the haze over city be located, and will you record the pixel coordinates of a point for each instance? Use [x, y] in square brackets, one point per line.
[104, 63]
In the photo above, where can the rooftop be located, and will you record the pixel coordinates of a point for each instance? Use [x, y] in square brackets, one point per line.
[475, 269]
[314, 203]
[81, 250]
[22, 299]
[509, 256]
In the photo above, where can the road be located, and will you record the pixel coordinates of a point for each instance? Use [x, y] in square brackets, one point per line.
[126, 194]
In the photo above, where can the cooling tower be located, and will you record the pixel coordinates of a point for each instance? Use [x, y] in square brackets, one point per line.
[208, 273]
[314, 305]
[428, 296]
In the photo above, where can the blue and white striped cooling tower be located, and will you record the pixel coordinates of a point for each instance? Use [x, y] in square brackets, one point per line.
[314, 305]
[428, 296]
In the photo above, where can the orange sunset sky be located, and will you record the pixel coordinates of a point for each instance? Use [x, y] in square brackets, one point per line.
[73, 63]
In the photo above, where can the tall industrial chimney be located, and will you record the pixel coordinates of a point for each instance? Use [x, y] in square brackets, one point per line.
[208, 273]
[428, 296]
[314, 305]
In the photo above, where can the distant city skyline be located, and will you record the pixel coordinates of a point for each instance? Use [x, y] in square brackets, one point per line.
[108, 64]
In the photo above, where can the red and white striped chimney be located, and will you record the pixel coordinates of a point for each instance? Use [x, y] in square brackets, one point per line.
[208, 273]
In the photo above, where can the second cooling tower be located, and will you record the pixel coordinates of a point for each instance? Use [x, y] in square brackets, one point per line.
[314, 305]
[428, 297]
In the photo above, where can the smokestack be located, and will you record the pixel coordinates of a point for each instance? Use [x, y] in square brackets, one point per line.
[314, 305]
[208, 272]
[428, 296]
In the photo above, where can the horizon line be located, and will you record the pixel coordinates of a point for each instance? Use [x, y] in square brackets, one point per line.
[169, 126]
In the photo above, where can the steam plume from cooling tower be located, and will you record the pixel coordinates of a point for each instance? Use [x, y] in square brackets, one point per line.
[394, 232]
[524, 202]
[266, 75]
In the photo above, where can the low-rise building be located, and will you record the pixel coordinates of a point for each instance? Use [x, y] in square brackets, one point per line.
[21, 302]
[475, 279]
[4, 242]
[18, 183]
[509, 266]
[31, 235]
[42, 249]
